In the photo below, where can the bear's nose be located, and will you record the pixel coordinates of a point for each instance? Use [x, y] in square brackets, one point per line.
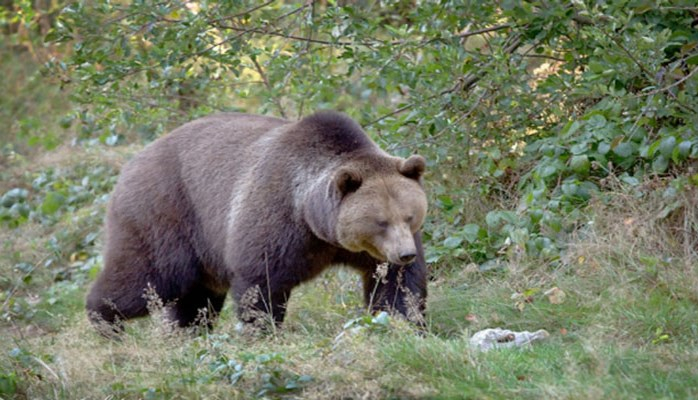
[407, 257]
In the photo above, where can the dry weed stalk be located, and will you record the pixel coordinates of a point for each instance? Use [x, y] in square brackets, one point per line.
[159, 312]
[260, 321]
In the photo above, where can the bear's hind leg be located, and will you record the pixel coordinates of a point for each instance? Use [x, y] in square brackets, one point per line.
[199, 306]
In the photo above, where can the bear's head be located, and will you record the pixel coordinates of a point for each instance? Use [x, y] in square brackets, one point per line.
[381, 208]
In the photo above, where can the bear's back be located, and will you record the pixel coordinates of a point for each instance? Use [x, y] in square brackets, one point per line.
[332, 132]
[196, 170]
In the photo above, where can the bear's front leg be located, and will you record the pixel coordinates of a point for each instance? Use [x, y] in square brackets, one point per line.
[260, 305]
[401, 288]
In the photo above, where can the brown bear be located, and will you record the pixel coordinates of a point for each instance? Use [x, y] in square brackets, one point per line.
[256, 205]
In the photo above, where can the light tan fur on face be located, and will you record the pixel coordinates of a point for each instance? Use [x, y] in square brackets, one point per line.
[381, 218]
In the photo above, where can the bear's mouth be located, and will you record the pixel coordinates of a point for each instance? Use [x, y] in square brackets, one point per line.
[404, 260]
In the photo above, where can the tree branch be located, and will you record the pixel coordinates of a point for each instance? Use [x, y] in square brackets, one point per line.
[544, 56]
[630, 55]
[665, 88]
[240, 14]
[345, 44]
[286, 36]
[268, 86]
[484, 30]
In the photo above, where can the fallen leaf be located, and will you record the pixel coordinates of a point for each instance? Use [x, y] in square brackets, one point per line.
[520, 305]
[555, 295]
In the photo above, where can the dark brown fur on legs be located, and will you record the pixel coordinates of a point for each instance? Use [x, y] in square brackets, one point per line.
[401, 288]
[258, 205]
[199, 307]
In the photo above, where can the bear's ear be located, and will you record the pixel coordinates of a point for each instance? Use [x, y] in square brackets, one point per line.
[347, 181]
[413, 167]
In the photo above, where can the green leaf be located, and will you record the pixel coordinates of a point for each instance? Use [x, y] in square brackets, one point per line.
[624, 149]
[653, 148]
[685, 148]
[630, 180]
[569, 188]
[381, 319]
[548, 170]
[446, 201]
[14, 196]
[52, 202]
[660, 164]
[570, 128]
[666, 148]
[604, 148]
[452, 242]
[597, 121]
[492, 218]
[471, 232]
[580, 164]
[596, 67]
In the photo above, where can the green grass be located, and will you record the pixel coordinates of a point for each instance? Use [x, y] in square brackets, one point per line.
[620, 338]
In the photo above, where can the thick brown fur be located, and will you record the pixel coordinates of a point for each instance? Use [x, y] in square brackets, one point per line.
[256, 205]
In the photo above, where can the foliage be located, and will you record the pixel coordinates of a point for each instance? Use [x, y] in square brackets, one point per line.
[68, 203]
[529, 105]
[274, 378]
[54, 193]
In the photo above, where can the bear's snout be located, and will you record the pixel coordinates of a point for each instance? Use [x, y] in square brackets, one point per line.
[400, 249]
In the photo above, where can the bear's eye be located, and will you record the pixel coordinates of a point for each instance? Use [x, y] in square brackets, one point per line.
[382, 224]
[409, 219]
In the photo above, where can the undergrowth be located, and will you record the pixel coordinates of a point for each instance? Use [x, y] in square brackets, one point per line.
[624, 328]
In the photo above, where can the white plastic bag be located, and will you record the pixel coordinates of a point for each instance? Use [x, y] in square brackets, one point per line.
[488, 339]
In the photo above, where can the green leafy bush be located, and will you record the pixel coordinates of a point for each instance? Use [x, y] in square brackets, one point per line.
[526, 110]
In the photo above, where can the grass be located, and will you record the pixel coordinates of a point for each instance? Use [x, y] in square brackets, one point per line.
[627, 328]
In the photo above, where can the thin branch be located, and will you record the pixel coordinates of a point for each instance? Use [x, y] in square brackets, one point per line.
[545, 57]
[241, 14]
[282, 16]
[268, 86]
[681, 104]
[310, 3]
[366, 44]
[484, 30]
[124, 15]
[283, 35]
[583, 20]
[629, 54]
[120, 17]
[664, 89]
[394, 112]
